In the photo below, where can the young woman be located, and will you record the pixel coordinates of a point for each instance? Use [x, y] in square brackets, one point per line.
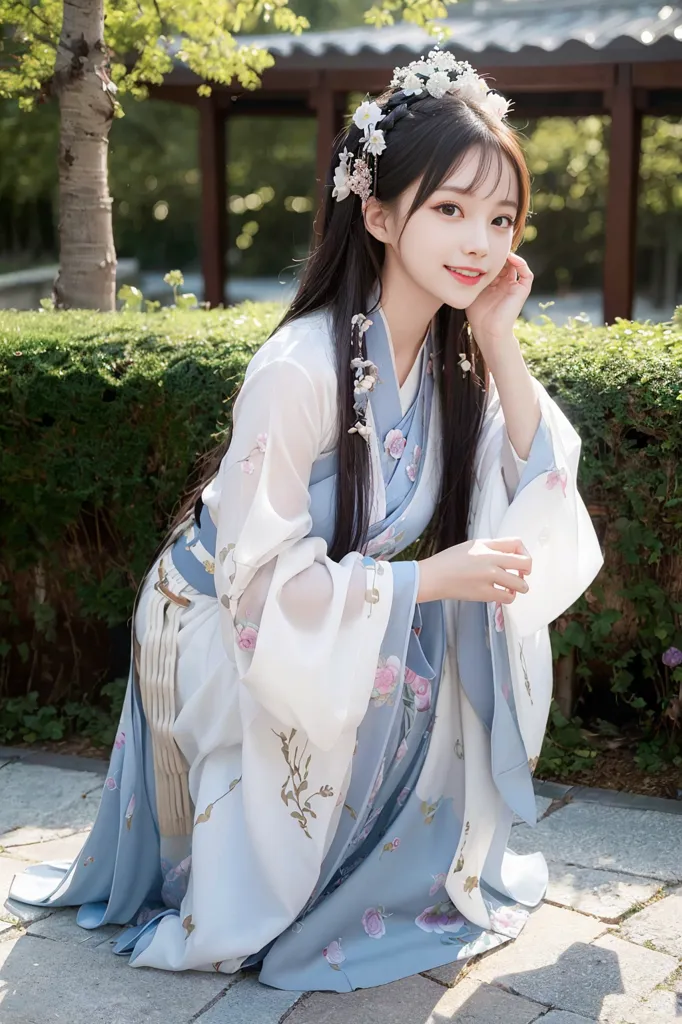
[322, 749]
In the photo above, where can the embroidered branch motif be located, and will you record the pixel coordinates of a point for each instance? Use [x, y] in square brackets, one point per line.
[429, 810]
[471, 884]
[533, 763]
[205, 815]
[525, 671]
[459, 866]
[188, 926]
[459, 750]
[298, 781]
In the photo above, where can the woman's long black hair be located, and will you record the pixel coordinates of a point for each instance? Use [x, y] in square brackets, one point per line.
[426, 139]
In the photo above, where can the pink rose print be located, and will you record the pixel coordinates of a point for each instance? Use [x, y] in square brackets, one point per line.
[429, 365]
[394, 443]
[421, 688]
[120, 740]
[414, 465]
[247, 637]
[441, 917]
[557, 476]
[505, 690]
[261, 441]
[403, 795]
[361, 836]
[508, 920]
[401, 751]
[333, 954]
[246, 466]
[438, 883]
[373, 922]
[111, 783]
[499, 617]
[385, 680]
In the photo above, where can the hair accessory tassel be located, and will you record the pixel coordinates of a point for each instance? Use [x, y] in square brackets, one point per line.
[365, 375]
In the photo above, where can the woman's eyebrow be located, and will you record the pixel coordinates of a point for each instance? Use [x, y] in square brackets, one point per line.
[466, 192]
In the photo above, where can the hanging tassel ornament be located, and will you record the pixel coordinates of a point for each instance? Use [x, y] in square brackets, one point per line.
[365, 375]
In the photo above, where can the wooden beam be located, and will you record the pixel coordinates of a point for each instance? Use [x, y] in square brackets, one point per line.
[621, 205]
[666, 74]
[212, 161]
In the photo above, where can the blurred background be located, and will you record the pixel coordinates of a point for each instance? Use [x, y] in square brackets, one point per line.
[271, 170]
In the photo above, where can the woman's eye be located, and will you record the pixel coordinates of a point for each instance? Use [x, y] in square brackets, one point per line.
[504, 217]
[449, 209]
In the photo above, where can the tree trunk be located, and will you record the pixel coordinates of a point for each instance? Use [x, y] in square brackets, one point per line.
[87, 274]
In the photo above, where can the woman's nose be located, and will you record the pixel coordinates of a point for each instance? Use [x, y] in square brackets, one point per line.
[476, 241]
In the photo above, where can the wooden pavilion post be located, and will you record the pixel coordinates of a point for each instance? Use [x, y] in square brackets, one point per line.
[621, 206]
[329, 121]
[212, 160]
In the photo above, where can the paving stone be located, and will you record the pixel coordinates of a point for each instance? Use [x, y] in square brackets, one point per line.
[543, 803]
[596, 979]
[660, 924]
[564, 1017]
[67, 848]
[605, 894]
[472, 1003]
[10, 911]
[37, 797]
[448, 974]
[663, 1006]
[642, 843]
[249, 1002]
[409, 1001]
[554, 790]
[61, 926]
[56, 982]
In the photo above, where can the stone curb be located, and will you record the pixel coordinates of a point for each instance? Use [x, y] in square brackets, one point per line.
[551, 790]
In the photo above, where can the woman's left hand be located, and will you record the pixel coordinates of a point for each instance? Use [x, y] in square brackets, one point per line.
[494, 312]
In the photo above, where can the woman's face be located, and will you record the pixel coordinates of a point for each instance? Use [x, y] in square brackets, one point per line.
[458, 241]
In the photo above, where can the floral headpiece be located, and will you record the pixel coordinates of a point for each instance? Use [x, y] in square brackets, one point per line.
[435, 75]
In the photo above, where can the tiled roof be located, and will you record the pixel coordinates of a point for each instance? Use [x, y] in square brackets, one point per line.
[629, 29]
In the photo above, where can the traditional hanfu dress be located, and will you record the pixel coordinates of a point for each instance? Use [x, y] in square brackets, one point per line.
[314, 773]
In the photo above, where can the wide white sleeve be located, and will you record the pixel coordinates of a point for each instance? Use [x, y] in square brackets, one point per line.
[303, 631]
[549, 514]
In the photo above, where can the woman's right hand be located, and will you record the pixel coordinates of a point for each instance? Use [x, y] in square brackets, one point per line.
[477, 570]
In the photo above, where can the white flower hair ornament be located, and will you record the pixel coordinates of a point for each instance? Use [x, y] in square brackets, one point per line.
[436, 75]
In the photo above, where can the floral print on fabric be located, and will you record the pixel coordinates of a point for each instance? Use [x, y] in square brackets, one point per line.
[334, 955]
[557, 476]
[373, 922]
[420, 688]
[175, 882]
[386, 544]
[296, 783]
[386, 679]
[413, 466]
[247, 635]
[394, 443]
[441, 917]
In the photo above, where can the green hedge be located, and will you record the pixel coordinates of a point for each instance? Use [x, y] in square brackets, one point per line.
[103, 419]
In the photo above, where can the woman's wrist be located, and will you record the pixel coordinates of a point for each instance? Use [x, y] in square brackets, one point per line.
[428, 589]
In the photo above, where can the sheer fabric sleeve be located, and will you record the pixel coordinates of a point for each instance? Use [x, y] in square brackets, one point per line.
[303, 631]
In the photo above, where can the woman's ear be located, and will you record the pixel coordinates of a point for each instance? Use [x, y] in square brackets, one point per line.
[376, 219]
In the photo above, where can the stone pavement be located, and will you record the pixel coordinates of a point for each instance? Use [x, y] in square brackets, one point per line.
[605, 946]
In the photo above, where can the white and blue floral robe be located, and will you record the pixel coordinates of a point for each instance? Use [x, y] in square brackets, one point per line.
[313, 772]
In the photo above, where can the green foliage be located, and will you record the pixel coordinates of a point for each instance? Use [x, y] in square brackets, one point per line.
[23, 719]
[566, 749]
[105, 419]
